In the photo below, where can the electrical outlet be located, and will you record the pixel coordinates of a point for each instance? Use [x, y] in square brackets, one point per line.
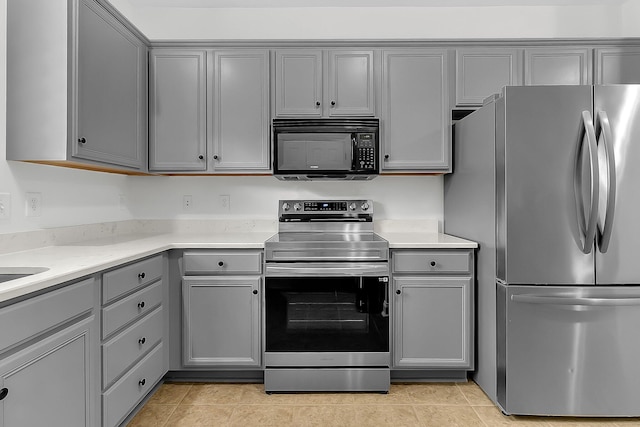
[225, 202]
[187, 202]
[5, 205]
[33, 204]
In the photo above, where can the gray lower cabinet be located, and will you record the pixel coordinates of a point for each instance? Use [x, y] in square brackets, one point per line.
[324, 83]
[133, 335]
[49, 368]
[178, 110]
[221, 294]
[617, 65]
[433, 309]
[415, 110]
[85, 86]
[482, 72]
[557, 66]
[221, 325]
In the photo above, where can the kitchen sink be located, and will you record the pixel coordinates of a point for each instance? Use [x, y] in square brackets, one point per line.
[12, 273]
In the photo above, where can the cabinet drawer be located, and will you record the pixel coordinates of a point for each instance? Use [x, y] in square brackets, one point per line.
[133, 387]
[33, 316]
[222, 262]
[125, 279]
[431, 262]
[123, 350]
[132, 307]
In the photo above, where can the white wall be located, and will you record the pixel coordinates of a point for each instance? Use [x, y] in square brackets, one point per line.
[69, 197]
[395, 197]
[586, 20]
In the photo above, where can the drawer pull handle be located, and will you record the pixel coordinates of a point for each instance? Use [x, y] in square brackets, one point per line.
[398, 292]
[3, 393]
[220, 263]
[142, 382]
[141, 304]
[142, 340]
[255, 292]
[432, 263]
[141, 275]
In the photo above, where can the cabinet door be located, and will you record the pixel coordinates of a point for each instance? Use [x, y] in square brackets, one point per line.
[350, 89]
[241, 110]
[298, 83]
[432, 322]
[549, 66]
[221, 323]
[50, 383]
[483, 72]
[415, 110]
[178, 112]
[617, 66]
[110, 114]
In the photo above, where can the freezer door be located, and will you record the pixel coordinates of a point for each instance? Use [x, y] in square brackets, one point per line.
[620, 104]
[538, 143]
[569, 350]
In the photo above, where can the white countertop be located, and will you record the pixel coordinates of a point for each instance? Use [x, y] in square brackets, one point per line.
[70, 261]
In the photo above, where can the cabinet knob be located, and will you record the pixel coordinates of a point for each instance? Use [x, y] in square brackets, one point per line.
[201, 157]
[386, 156]
[141, 304]
[432, 263]
[3, 393]
[141, 275]
[82, 140]
[255, 292]
[333, 103]
[220, 263]
[142, 382]
[398, 291]
[142, 340]
[317, 103]
[215, 157]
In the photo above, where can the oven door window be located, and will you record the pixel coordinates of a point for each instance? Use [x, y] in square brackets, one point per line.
[336, 314]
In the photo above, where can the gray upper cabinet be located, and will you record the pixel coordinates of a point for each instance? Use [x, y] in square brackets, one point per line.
[240, 111]
[178, 110]
[80, 98]
[557, 66]
[617, 65]
[415, 110]
[320, 83]
[298, 83]
[482, 72]
[350, 86]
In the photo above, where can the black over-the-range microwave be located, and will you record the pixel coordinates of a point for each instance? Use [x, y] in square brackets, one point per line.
[326, 149]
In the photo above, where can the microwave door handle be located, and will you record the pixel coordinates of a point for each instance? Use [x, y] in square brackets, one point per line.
[354, 149]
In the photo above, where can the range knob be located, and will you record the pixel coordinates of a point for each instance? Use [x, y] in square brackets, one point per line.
[286, 206]
[365, 206]
[297, 207]
[353, 206]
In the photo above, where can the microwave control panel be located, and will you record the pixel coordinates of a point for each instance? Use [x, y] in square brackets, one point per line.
[365, 155]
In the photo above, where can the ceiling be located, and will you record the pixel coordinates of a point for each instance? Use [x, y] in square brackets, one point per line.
[361, 3]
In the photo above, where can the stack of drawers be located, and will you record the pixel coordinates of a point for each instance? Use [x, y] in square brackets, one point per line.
[132, 330]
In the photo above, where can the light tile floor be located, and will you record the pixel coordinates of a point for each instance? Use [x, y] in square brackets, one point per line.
[423, 405]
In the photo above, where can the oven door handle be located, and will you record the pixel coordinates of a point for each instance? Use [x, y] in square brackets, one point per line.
[327, 269]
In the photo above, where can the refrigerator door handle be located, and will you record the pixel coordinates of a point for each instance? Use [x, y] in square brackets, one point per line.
[603, 128]
[587, 225]
[593, 302]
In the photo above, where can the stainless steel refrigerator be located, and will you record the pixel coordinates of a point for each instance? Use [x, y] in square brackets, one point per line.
[547, 180]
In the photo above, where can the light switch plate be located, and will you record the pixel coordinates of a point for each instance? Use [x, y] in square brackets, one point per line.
[5, 205]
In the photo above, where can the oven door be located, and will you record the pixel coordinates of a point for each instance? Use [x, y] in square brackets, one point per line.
[318, 316]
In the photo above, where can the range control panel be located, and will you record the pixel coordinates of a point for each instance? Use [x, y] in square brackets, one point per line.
[320, 208]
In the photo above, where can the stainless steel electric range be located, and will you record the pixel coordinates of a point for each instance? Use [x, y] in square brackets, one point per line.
[326, 299]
